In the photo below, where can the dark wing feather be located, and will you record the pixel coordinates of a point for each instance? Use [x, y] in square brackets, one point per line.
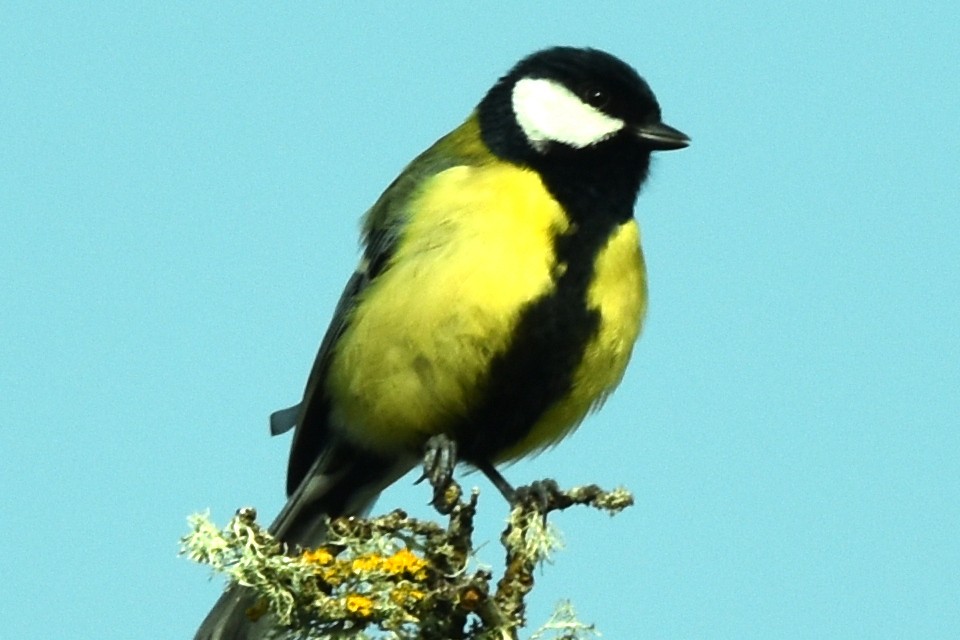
[311, 418]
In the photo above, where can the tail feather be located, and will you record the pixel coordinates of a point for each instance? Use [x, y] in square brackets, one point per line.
[228, 619]
[284, 420]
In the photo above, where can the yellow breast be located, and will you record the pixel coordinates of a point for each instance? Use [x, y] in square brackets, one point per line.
[478, 247]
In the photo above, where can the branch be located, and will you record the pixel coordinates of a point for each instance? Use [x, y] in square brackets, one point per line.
[411, 578]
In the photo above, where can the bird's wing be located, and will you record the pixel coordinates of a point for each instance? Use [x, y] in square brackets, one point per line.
[382, 226]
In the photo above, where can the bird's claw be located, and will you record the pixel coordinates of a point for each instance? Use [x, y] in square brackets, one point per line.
[543, 496]
[439, 462]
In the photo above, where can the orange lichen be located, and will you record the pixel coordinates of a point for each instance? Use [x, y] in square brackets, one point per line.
[359, 606]
[320, 557]
[405, 562]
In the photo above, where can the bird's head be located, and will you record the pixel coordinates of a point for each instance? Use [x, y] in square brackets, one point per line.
[570, 102]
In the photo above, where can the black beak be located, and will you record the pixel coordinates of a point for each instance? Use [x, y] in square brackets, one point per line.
[661, 137]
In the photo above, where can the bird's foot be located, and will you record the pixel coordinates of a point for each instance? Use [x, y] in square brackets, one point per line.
[542, 495]
[439, 462]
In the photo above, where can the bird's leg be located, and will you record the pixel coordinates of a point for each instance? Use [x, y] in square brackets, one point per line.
[501, 483]
[439, 461]
[544, 495]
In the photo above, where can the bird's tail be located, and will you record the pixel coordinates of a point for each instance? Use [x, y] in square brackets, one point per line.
[342, 481]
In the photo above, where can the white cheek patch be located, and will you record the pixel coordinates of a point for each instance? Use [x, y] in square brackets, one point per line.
[549, 112]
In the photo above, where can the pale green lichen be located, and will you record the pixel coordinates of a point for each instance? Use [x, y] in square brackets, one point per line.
[529, 533]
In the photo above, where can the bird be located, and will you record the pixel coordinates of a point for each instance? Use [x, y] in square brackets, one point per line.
[497, 300]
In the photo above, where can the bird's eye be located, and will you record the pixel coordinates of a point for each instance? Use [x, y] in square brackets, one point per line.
[594, 96]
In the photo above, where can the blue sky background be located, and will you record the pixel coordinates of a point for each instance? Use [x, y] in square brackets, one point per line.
[180, 187]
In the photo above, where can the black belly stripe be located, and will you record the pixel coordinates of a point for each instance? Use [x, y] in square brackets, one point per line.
[546, 348]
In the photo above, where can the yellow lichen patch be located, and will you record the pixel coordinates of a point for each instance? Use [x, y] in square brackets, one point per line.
[406, 563]
[320, 557]
[366, 563]
[406, 596]
[333, 576]
[359, 606]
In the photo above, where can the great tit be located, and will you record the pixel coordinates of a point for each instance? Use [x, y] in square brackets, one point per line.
[497, 301]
